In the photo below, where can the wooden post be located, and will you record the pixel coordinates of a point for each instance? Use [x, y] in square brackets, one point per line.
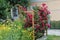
[32, 22]
[33, 26]
[46, 32]
[19, 9]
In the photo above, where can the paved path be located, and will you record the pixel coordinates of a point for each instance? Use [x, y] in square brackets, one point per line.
[54, 32]
[51, 32]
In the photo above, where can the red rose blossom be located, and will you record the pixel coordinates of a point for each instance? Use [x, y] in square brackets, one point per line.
[48, 25]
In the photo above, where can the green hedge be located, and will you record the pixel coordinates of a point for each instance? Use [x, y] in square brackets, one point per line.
[53, 37]
[55, 24]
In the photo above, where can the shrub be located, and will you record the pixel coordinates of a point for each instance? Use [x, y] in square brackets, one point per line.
[55, 24]
[4, 9]
[14, 31]
[40, 20]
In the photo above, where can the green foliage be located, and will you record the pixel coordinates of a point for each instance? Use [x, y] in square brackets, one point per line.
[55, 24]
[10, 35]
[4, 8]
[14, 31]
[24, 3]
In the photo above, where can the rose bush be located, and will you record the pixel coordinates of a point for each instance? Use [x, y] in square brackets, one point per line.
[40, 20]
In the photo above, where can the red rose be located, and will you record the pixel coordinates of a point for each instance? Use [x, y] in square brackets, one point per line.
[45, 11]
[40, 18]
[43, 24]
[29, 15]
[48, 25]
[37, 26]
[48, 12]
[43, 4]
[44, 15]
[39, 12]
[42, 28]
[23, 8]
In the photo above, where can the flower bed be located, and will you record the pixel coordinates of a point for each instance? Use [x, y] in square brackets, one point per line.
[14, 31]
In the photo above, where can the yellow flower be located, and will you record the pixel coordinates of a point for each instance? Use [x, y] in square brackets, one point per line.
[3, 25]
[4, 28]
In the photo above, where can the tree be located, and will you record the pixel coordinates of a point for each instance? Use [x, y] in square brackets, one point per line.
[24, 3]
[4, 9]
[5, 6]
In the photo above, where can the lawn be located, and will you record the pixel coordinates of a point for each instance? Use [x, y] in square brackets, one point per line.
[53, 37]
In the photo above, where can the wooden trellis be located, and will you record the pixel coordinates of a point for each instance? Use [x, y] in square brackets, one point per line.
[19, 7]
[32, 12]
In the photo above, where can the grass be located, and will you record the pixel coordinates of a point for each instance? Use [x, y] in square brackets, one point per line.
[50, 37]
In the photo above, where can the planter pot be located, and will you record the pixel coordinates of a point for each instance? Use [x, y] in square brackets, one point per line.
[42, 38]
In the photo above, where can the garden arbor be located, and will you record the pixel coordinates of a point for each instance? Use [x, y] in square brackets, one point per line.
[25, 12]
